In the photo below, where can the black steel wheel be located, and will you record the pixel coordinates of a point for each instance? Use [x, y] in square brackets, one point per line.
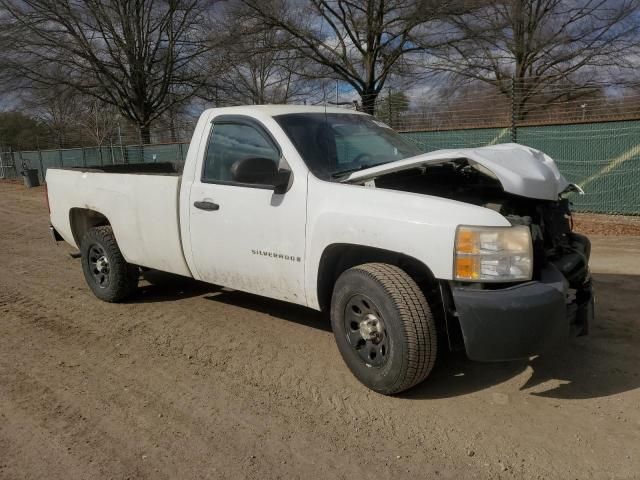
[98, 265]
[365, 329]
[105, 270]
[383, 327]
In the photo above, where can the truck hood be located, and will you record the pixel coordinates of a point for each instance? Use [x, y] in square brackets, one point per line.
[521, 170]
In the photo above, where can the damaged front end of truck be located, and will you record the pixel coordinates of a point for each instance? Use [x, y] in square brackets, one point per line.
[506, 320]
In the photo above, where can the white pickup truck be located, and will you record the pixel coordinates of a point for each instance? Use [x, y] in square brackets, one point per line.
[329, 208]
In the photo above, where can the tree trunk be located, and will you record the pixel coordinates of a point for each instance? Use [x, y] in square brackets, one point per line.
[368, 98]
[145, 134]
[172, 125]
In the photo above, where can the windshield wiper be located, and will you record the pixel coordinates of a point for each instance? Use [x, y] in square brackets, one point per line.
[351, 170]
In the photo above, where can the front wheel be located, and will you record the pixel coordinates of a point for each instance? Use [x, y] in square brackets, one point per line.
[383, 327]
[106, 271]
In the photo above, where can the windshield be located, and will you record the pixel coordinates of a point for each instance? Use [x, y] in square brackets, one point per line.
[334, 144]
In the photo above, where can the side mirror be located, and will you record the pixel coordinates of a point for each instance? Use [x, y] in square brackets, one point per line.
[281, 181]
[260, 171]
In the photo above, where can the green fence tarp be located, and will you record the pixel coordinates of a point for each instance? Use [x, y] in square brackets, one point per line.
[603, 158]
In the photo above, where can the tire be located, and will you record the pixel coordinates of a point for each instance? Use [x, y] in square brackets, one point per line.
[105, 270]
[383, 327]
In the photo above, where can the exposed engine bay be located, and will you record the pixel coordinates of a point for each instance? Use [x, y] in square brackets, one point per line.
[550, 222]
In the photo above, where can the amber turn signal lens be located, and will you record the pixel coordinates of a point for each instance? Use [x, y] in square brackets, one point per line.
[467, 268]
[466, 241]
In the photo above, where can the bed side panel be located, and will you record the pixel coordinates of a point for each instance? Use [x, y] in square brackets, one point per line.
[142, 209]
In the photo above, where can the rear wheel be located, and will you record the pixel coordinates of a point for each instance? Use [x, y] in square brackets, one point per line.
[383, 327]
[105, 270]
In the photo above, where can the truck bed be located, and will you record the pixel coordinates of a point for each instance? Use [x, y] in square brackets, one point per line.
[140, 203]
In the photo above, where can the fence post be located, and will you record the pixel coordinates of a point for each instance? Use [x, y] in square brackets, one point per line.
[390, 109]
[100, 154]
[60, 157]
[40, 157]
[179, 149]
[122, 150]
[141, 147]
[12, 159]
[84, 158]
[113, 159]
[514, 113]
[40, 162]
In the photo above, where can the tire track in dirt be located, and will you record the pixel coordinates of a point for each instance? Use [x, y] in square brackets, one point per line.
[271, 366]
[89, 368]
[219, 352]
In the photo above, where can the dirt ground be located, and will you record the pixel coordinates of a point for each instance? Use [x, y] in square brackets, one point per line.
[191, 381]
[607, 225]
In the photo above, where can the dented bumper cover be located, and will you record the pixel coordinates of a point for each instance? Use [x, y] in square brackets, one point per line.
[522, 320]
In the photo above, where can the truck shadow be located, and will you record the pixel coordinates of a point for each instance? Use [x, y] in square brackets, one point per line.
[159, 286]
[604, 363]
[579, 371]
[165, 287]
[275, 308]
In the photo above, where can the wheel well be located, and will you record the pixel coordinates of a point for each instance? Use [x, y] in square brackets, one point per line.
[82, 219]
[337, 258]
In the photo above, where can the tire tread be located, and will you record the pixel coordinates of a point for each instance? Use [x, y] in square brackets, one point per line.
[417, 320]
[125, 276]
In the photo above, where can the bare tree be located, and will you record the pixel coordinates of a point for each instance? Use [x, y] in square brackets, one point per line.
[142, 56]
[552, 48]
[362, 42]
[98, 121]
[59, 110]
[262, 66]
[262, 74]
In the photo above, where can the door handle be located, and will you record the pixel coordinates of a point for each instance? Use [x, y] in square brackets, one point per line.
[208, 206]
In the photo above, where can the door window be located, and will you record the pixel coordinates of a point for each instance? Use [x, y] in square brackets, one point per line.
[231, 142]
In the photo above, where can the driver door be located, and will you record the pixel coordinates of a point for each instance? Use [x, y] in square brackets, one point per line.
[243, 235]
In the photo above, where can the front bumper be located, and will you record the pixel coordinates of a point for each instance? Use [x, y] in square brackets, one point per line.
[522, 320]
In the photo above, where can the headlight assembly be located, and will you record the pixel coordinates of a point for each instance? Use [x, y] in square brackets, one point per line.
[493, 254]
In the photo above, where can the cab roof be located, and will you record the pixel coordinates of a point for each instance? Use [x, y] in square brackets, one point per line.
[275, 110]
